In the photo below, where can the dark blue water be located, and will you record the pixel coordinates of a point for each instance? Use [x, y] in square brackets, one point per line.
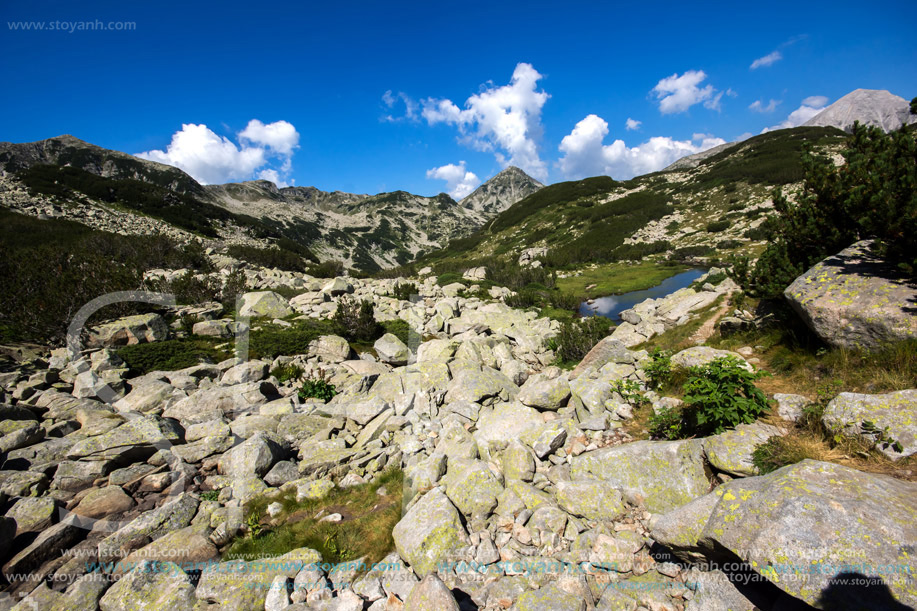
[612, 306]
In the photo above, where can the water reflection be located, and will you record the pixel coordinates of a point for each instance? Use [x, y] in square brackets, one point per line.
[612, 306]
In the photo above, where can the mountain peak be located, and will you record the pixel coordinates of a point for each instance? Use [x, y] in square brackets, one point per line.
[501, 191]
[876, 107]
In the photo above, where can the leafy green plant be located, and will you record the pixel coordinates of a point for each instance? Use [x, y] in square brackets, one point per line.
[317, 387]
[253, 525]
[722, 394]
[630, 391]
[881, 437]
[659, 370]
[210, 495]
[666, 423]
[173, 354]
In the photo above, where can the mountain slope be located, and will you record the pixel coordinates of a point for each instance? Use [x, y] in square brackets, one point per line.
[712, 208]
[868, 106]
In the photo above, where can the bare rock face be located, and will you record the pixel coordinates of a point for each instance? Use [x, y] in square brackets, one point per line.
[855, 300]
[130, 330]
[875, 107]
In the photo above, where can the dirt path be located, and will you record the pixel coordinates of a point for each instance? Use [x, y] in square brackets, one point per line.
[706, 330]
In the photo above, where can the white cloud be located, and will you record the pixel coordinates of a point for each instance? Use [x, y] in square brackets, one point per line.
[280, 136]
[392, 100]
[767, 60]
[679, 93]
[506, 120]
[632, 124]
[759, 106]
[810, 107]
[459, 181]
[212, 159]
[586, 155]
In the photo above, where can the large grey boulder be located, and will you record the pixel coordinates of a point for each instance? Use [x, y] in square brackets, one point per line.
[431, 594]
[811, 514]
[548, 390]
[159, 585]
[855, 300]
[429, 533]
[472, 487]
[129, 330]
[150, 397]
[330, 349]
[666, 474]
[392, 350]
[895, 411]
[253, 457]
[732, 451]
[138, 438]
[264, 304]
[506, 423]
[701, 355]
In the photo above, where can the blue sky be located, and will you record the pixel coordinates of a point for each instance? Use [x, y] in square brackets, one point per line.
[371, 96]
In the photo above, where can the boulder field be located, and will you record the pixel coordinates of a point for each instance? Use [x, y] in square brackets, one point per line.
[521, 488]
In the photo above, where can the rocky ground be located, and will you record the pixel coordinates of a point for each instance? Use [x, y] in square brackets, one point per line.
[522, 489]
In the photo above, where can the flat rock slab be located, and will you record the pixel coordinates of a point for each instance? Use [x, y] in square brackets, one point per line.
[429, 533]
[732, 451]
[667, 474]
[808, 514]
[856, 300]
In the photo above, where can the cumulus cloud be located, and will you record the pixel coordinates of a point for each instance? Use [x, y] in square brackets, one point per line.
[810, 107]
[679, 93]
[759, 106]
[459, 181]
[585, 154]
[632, 124]
[280, 136]
[212, 159]
[505, 120]
[393, 101]
[768, 60]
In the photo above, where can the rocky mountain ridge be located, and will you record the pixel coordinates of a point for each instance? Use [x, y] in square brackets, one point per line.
[364, 231]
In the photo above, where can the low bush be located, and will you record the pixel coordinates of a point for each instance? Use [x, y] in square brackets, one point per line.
[717, 226]
[356, 321]
[272, 257]
[659, 370]
[404, 291]
[287, 373]
[728, 244]
[578, 336]
[172, 354]
[327, 269]
[317, 387]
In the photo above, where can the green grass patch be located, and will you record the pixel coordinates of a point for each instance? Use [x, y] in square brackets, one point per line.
[617, 278]
[364, 532]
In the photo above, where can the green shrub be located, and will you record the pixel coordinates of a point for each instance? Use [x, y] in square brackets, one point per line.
[523, 299]
[718, 226]
[630, 391]
[317, 387]
[327, 269]
[666, 423]
[578, 336]
[49, 269]
[356, 321]
[448, 278]
[687, 252]
[659, 370]
[399, 328]
[272, 257]
[287, 373]
[271, 341]
[728, 244]
[404, 291]
[172, 354]
[873, 196]
[720, 395]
